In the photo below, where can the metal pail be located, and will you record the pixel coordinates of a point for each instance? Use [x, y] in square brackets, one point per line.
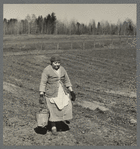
[42, 118]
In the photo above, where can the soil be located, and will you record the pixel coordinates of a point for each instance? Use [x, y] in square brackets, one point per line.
[104, 112]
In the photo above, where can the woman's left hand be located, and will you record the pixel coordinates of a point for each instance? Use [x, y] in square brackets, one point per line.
[73, 95]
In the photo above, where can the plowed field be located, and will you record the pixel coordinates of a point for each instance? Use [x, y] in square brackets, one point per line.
[104, 113]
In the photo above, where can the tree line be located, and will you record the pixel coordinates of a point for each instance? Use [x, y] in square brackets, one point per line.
[50, 25]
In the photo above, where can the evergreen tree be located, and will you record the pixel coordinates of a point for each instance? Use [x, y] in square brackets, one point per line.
[98, 29]
[53, 23]
[78, 26]
[5, 26]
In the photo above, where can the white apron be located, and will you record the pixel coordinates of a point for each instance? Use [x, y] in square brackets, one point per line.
[62, 99]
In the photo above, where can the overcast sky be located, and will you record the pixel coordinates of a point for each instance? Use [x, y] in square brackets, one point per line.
[82, 13]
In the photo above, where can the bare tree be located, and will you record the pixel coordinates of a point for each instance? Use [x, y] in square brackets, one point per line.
[92, 27]
[33, 24]
[28, 18]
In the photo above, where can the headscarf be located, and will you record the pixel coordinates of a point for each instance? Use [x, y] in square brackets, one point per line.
[55, 58]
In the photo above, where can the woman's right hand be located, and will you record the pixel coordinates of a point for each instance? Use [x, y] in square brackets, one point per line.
[41, 98]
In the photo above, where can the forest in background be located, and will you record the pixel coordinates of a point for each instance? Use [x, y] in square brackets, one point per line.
[51, 25]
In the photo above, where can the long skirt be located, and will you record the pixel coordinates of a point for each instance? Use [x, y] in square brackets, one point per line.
[55, 113]
[59, 115]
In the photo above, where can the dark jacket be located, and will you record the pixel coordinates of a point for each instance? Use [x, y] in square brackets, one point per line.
[50, 81]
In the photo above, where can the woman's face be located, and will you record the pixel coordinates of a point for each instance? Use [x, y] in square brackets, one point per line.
[56, 65]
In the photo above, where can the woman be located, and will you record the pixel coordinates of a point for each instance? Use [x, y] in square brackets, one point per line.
[55, 85]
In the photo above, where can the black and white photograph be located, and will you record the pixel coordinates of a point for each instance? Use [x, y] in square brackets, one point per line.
[69, 74]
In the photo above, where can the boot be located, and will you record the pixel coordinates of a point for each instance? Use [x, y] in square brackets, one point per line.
[54, 130]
